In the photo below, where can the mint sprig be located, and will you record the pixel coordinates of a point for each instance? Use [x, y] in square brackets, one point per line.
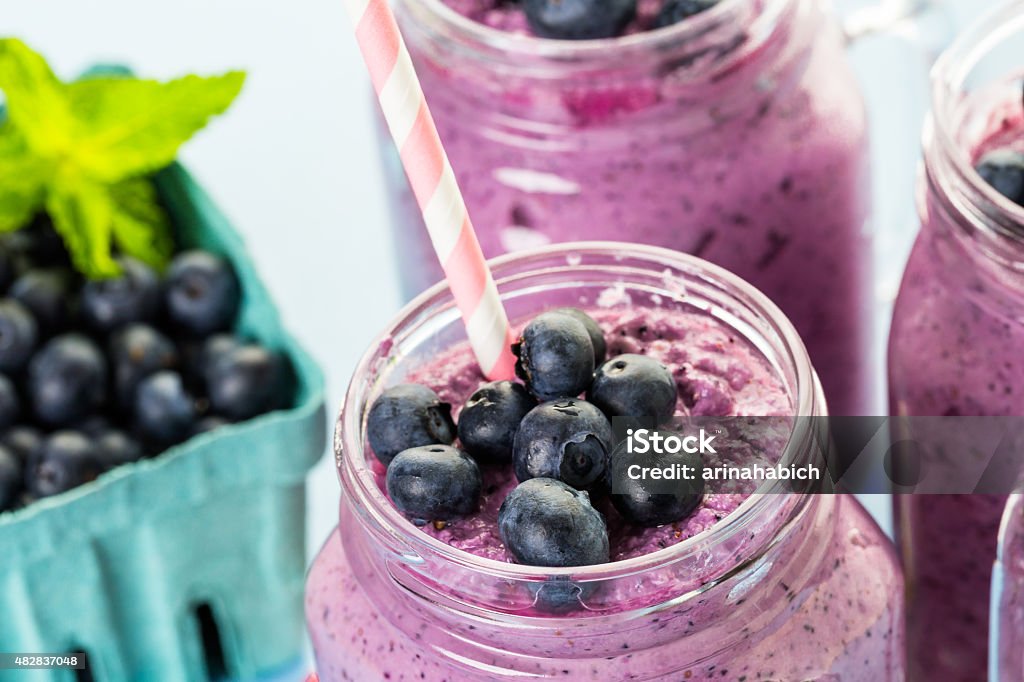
[84, 151]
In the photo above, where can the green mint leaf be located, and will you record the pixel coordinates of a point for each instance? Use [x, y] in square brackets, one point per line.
[23, 180]
[125, 127]
[141, 227]
[36, 105]
[82, 151]
[82, 214]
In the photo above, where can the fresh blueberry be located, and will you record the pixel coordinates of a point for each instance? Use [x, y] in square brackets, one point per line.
[196, 356]
[136, 351]
[593, 328]
[165, 413]
[67, 380]
[202, 293]
[115, 447]
[133, 296]
[8, 266]
[213, 349]
[555, 356]
[655, 503]
[674, 11]
[247, 381]
[18, 335]
[93, 426]
[66, 460]
[490, 418]
[209, 423]
[15, 249]
[544, 522]
[578, 19]
[1004, 170]
[36, 246]
[42, 245]
[10, 404]
[434, 482]
[408, 416]
[564, 439]
[559, 593]
[22, 441]
[11, 477]
[634, 386]
[47, 294]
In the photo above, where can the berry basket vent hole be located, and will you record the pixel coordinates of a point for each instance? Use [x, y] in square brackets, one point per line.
[212, 645]
[83, 674]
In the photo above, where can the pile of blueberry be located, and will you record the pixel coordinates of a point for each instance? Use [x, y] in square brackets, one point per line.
[95, 374]
[561, 447]
[1004, 170]
[591, 19]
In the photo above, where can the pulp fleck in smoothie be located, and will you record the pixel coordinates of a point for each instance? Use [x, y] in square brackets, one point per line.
[954, 351]
[824, 603]
[750, 153]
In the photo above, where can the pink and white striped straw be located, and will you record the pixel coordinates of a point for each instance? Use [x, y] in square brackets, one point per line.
[433, 183]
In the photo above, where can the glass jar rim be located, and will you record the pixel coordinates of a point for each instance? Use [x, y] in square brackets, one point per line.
[518, 45]
[358, 480]
[948, 79]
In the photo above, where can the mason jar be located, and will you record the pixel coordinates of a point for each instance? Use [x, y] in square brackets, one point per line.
[786, 587]
[1006, 625]
[737, 135]
[954, 347]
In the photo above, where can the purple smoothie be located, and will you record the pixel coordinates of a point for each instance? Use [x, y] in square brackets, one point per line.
[750, 153]
[717, 375]
[797, 587]
[954, 351]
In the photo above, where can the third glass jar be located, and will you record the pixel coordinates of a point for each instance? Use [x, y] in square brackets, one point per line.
[955, 346]
[737, 135]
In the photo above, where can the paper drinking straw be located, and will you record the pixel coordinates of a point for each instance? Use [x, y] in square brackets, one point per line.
[433, 183]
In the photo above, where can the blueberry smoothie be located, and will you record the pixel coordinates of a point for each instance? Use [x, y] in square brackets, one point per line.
[736, 133]
[957, 325]
[448, 570]
[710, 382]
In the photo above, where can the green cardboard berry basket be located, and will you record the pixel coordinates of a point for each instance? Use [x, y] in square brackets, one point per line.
[190, 565]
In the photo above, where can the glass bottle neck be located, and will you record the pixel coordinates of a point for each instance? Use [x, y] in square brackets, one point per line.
[976, 103]
[716, 60]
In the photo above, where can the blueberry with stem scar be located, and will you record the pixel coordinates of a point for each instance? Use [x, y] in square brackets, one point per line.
[651, 503]
[555, 356]
[544, 522]
[407, 416]
[636, 387]
[434, 482]
[490, 418]
[568, 440]
[65, 460]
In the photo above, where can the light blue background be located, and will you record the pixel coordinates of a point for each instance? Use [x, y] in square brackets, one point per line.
[296, 168]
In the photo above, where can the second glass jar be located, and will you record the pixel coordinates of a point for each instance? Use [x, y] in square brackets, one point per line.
[954, 347]
[737, 135]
